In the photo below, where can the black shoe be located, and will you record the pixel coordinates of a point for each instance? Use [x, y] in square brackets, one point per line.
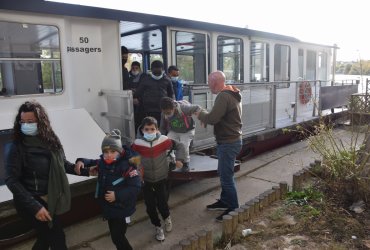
[218, 205]
[220, 217]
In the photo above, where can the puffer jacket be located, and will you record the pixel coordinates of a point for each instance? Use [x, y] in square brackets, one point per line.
[154, 155]
[120, 177]
[27, 174]
[150, 92]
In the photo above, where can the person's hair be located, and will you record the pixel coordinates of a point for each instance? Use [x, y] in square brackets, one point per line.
[172, 68]
[167, 103]
[124, 50]
[135, 63]
[45, 132]
[148, 121]
[156, 64]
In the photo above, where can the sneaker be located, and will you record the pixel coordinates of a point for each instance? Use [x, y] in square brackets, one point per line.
[185, 167]
[168, 224]
[218, 205]
[220, 217]
[159, 234]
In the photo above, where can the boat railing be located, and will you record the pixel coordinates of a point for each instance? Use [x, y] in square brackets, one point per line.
[269, 105]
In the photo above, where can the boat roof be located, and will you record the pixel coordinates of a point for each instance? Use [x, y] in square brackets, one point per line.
[57, 8]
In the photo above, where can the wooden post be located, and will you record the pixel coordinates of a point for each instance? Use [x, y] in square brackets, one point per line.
[271, 196]
[296, 180]
[240, 212]
[261, 203]
[194, 242]
[202, 234]
[235, 217]
[265, 200]
[252, 214]
[227, 227]
[283, 189]
[185, 244]
[256, 204]
[209, 240]
[246, 212]
[277, 192]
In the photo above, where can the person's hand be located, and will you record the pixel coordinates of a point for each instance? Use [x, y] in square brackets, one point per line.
[136, 101]
[93, 171]
[203, 125]
[196, 113]
[179, 164]
[78, 167]
[110, 196]
[43, 215]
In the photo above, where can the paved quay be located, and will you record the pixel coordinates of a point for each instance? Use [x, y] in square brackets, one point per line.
[188, 202]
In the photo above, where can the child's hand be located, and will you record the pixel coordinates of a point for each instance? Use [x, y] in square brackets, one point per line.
[110, 196]
[78, 167]
[136, 160]
[93, 171]
[179, 164]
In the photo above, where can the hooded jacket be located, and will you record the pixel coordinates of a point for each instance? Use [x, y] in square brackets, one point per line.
[154, 155]
[225, 115]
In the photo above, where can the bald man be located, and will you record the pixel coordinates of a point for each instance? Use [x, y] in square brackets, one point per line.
[226, 118]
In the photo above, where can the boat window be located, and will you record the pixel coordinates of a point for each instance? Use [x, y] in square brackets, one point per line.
[323, 62]
[259, 63]
[300, 63]
[30, 60]
[311, 65]
[192, 54]
[230, 58]
[281, 63]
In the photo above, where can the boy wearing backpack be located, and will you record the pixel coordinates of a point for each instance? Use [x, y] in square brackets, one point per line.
[177, 123]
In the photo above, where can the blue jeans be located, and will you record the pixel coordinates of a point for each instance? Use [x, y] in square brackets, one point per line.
[226, 153]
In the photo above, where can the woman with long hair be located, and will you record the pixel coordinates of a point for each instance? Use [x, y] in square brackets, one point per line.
[36, 175]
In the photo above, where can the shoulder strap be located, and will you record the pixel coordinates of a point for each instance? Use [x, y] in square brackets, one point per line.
[182, 114]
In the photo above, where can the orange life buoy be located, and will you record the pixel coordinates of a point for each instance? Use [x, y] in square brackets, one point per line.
[305, 92]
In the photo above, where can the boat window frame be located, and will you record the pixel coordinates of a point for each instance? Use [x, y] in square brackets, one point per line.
[17, 62]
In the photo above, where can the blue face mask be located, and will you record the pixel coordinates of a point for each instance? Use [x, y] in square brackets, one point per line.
[29, 128]
[150, 137]
[157, 77]
[174, 78]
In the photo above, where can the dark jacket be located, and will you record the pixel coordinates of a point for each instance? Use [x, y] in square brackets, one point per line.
[150, 92]
[225, 116]
[27, 174]
[154, 155]
[120, 177]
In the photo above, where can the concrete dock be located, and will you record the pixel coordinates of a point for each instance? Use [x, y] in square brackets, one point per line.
[188, 202]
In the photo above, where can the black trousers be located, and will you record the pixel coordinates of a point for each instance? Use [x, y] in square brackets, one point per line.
[53, 238]
[118, 228]
[156, 197]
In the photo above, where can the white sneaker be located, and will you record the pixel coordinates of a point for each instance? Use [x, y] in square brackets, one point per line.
[168, 224]
[159, 234]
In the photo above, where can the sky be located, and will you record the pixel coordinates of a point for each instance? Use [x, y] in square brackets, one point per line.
[342, 22]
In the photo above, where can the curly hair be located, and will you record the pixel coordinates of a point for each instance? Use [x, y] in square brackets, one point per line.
[45, 132]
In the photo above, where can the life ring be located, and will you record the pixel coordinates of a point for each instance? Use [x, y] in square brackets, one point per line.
[305, 92]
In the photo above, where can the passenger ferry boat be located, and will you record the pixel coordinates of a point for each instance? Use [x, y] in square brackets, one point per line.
[68, 58]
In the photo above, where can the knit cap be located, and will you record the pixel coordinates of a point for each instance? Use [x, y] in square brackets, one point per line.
[112, 141]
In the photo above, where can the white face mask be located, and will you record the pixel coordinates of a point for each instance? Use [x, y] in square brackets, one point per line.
[157, 77]
[174, 78]
[135, 73]
[150, 136]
